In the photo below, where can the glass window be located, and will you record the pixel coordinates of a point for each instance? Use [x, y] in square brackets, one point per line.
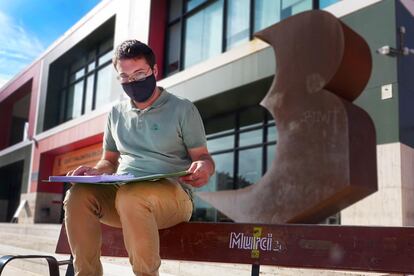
[291, 7]
[325, 3]
[223, 177]
[77, 65]
[266, 13]
[272, 133]
[204, 26]
[203, 38]
[237, 22]
[84, 69]
[77, 75]
[221, 180]
[91, 55]
[74, 101]
[80, 73]
[103, 86]
[191, 4]
[254, 155]
[175, 9]
[222, 143]
[91, 66]
[173, 51]
[271, 154]
[89, 93]
[251, 137]
[250, 167]
[105, 58]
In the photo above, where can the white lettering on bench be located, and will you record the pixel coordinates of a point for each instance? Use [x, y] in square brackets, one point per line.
[242, 241]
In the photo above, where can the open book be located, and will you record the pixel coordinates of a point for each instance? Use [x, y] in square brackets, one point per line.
[112, 178]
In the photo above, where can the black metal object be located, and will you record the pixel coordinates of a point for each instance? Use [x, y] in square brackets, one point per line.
[255, 270]
[52, 262]
[70, 271]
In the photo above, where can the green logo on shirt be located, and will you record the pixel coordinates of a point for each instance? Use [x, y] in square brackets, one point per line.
[155, 127]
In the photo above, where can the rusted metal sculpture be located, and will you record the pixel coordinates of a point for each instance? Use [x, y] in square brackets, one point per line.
[326, 152]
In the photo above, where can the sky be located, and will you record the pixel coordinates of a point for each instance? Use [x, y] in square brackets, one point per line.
[29, 27]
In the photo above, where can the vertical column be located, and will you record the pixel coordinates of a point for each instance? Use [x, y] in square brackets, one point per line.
[6, 108]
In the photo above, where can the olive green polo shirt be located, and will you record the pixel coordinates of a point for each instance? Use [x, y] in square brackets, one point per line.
[154, 140]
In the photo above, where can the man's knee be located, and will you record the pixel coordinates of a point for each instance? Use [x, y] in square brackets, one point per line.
[78, 195]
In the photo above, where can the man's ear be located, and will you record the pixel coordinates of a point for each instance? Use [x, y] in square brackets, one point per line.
[155, 70]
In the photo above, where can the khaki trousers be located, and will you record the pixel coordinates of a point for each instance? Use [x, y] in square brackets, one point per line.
[140, 209]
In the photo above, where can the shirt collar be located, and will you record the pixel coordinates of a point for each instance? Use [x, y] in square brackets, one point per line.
[163, 98]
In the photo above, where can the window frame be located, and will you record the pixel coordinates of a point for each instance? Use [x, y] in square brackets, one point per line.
[182, 18]
[68, 83]
[264, 124]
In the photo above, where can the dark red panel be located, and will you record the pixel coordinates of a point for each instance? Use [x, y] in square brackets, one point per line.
[157, 32]
[45, 170]
[381, 249]
[6, 110]
[47, 161]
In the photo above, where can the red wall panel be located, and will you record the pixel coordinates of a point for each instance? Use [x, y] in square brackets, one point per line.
[84, 134]
[156, 40]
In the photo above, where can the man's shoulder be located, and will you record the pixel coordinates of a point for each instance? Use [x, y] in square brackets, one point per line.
[122, 106]
[179, 101]
[119, 108]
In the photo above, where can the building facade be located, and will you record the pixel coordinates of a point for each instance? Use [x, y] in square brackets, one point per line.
[53, 113]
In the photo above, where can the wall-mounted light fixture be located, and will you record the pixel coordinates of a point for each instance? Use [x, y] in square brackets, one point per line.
[393, 52]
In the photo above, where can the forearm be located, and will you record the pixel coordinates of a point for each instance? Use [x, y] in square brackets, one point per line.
[106, 166]
[201, 169]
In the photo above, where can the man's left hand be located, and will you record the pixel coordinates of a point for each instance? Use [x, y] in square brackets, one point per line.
[199, 174]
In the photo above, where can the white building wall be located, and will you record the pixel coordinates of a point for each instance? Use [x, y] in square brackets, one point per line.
[132, 20]
[407, 184]
[384, 206]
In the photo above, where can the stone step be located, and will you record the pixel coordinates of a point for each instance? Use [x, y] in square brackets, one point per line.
[41, 230]
[16, 271]
[46, 244]
[35, 267]
[41, 237]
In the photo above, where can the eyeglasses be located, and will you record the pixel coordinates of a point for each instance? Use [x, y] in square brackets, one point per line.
[138, 76]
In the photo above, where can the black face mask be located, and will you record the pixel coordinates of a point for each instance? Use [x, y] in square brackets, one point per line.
[140, 91]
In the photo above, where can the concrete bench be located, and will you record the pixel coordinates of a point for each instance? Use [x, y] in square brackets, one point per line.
[355, 248]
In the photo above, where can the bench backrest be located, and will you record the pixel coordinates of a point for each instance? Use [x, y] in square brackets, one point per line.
[381, 249]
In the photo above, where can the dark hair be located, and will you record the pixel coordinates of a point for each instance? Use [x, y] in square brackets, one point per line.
[133, 49]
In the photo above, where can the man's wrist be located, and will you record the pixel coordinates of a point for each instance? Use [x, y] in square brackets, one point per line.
[210, 164]
[105, 166]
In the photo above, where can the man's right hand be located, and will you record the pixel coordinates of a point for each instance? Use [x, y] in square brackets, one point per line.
[108, 164]
[84, 170]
